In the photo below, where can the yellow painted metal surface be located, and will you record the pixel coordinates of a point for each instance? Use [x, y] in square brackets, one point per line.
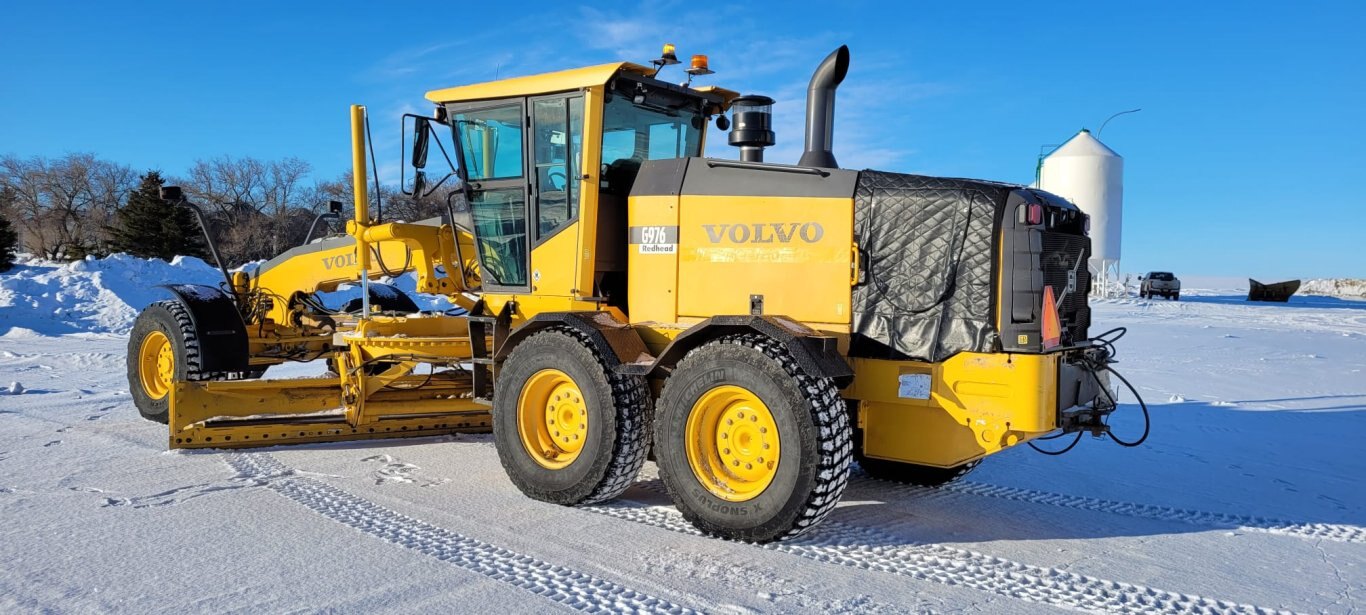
[589, 184]
[552, 419]
[652, 276]
[794, 251]
[976, 404]
[265, 412]
[732, 444]
[531, 85]
[156, 365]
[554, 264]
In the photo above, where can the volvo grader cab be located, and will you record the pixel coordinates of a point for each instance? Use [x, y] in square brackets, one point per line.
[751, 326]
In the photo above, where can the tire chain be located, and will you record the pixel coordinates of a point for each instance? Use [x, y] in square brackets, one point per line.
[831, 422]
[631, 442]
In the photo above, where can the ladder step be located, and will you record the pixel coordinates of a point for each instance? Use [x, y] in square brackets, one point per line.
[481, 361]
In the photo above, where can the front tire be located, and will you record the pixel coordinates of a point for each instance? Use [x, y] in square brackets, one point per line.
[567, 428]
[162, 348]
[749, 446]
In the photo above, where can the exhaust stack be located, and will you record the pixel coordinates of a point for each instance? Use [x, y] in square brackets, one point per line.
[820, 109]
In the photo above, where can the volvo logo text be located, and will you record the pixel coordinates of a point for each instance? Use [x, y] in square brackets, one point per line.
[765, 232]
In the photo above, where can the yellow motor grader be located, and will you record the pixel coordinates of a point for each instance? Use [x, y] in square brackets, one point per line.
[752, 326]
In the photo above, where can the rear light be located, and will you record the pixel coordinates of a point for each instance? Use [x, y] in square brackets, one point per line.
[1052, 329]
[1035, 214]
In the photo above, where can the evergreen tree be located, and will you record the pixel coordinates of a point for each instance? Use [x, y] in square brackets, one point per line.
[9, 242]
[149, 227]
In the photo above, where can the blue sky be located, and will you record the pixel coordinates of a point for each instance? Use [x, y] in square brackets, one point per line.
[1247, 158]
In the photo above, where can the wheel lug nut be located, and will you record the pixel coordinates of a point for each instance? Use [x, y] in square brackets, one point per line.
[754, 417]
[725, 451]
[749, 466]
[763, 430]
[735, 463]
[730, 422]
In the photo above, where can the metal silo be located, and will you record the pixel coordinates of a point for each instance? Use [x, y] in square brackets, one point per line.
[1090, 175]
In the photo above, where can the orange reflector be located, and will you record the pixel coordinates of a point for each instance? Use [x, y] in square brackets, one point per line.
[1052, 331]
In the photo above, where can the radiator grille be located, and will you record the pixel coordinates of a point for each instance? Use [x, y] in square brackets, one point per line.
[1062, 255]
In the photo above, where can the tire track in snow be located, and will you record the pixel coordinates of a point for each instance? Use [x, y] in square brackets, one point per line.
[571, 588]
[862, 548]
[1311, 531]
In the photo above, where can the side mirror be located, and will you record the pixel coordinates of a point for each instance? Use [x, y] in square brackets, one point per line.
[334, 207]
[421, 135]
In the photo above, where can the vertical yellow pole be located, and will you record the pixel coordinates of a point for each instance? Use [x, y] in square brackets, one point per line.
[360, 187]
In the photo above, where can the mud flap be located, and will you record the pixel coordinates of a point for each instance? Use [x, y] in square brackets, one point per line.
[217, 323]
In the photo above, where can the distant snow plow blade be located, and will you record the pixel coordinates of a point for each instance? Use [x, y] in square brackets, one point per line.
[1279, 292]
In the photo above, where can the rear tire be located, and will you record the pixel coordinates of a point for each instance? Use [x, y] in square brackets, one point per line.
[586, 424]
[162, 348]
[723, 394]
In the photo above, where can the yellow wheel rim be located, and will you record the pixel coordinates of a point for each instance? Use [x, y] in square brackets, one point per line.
[732, 443]
[552, 419]
[156, 365]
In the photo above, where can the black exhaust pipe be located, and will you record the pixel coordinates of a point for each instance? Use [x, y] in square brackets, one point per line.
[820, 109]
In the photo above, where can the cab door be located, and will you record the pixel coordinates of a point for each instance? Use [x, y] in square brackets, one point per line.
[556, 187]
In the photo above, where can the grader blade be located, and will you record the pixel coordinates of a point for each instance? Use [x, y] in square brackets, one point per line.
[240, 414]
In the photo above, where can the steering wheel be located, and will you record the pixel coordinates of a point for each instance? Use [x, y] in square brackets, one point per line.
[557, 184]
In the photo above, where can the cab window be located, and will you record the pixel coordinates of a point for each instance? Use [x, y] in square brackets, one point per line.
[491, 139]
[557, 126]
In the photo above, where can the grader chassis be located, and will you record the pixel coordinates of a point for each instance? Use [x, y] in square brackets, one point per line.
[756, 325]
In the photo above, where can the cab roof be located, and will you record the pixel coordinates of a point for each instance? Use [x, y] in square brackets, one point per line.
[531, 85]
[561, 81]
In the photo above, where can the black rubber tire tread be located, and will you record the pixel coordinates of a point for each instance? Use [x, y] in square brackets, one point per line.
[827, 470]
[627, 398]
[172, 319]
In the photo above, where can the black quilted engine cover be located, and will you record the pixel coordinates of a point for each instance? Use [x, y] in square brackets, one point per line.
[928, 255]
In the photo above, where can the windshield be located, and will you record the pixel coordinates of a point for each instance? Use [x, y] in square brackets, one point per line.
[640, 132]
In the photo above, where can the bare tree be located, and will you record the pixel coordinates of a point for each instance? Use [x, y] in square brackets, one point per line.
[254, 204]
[64, 205]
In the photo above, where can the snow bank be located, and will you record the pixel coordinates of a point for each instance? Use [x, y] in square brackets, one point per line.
[104, 295]
[97, 295]
[1341, 287]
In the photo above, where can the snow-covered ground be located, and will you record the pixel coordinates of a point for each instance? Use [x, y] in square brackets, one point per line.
[1248, 495]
